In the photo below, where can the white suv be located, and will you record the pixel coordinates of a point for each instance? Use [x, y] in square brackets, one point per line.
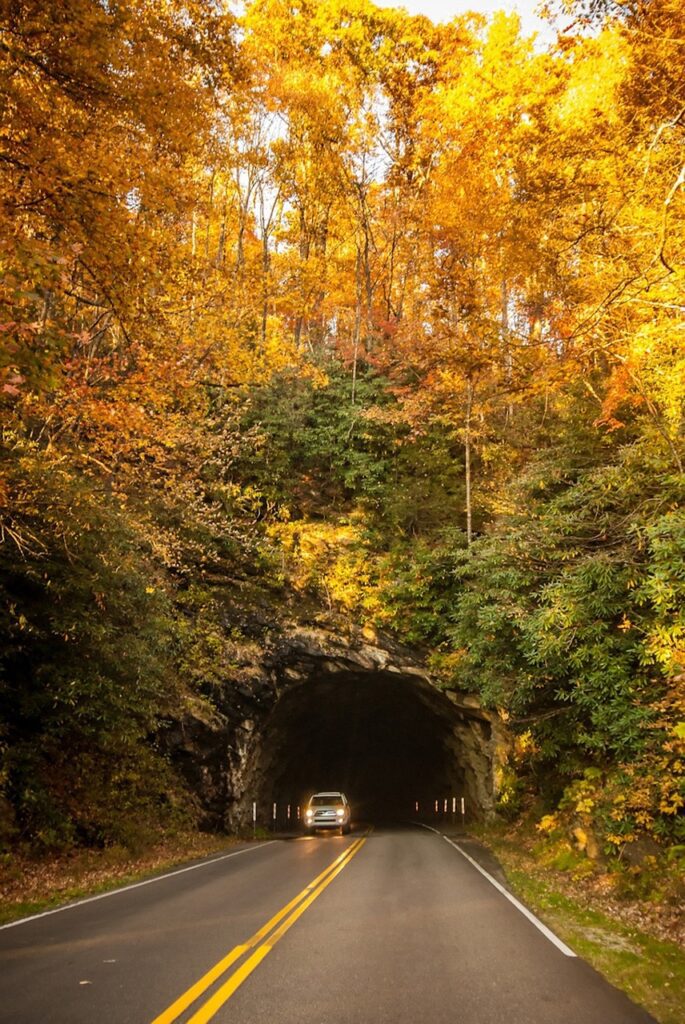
[328, 810]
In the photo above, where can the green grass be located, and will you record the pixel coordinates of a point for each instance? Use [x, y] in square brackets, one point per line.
[650, 971]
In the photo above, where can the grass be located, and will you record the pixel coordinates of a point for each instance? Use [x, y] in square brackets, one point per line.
[650, 970]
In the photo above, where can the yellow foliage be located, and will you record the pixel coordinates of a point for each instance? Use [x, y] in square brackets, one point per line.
[330, 558]
[524, 744]
[595, 79]
[581, 837]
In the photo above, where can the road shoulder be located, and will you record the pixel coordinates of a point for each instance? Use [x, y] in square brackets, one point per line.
[649, 969]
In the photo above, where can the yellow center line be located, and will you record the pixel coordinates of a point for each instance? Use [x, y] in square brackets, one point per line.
[223, 994]
[172, 1012]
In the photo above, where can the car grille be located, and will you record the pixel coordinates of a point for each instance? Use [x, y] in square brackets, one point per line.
[326, 818]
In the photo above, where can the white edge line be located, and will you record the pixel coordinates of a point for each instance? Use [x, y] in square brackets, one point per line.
[554, 939]
[134, 885]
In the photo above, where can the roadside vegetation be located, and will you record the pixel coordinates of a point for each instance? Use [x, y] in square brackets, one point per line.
[31, 885]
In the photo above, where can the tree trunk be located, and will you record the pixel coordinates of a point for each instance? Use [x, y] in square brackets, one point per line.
[209, 216]
[467, 461]
[266, 267]
[357, 324]
[504, 329]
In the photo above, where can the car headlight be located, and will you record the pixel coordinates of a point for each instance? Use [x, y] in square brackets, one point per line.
[309, 814]
[340, 813]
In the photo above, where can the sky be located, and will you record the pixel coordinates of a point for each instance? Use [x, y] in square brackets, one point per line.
[444, 10]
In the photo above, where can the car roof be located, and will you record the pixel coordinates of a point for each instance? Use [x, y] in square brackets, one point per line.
[329, 792]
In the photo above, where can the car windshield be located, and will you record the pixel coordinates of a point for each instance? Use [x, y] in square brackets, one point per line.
[326, 801]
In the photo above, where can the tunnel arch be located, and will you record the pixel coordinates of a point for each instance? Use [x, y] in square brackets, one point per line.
[368, 720]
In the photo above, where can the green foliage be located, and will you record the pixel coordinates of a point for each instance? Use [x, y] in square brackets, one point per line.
[87, 666]
[419, 586]
[570, 618]
[308, 447]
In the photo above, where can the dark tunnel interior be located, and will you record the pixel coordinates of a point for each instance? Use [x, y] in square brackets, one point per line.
[387, 740]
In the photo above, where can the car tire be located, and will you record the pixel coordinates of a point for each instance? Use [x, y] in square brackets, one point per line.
[346, 829]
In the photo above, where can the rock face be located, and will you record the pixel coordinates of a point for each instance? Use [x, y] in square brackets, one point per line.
[309, 708]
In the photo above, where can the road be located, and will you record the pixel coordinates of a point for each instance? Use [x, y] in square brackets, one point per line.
[388, 927]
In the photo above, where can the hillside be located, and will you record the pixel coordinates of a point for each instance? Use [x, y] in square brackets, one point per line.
[334, 316]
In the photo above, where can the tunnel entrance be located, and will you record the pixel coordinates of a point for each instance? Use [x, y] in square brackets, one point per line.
[387, 739]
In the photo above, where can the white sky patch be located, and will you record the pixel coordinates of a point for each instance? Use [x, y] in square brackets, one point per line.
[445, 10]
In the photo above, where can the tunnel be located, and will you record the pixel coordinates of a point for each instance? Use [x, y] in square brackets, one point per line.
[388, 739]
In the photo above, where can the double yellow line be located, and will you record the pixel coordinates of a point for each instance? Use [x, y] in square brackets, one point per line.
[265, 939]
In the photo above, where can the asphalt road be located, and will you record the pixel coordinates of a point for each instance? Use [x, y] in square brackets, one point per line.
[395, 926]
